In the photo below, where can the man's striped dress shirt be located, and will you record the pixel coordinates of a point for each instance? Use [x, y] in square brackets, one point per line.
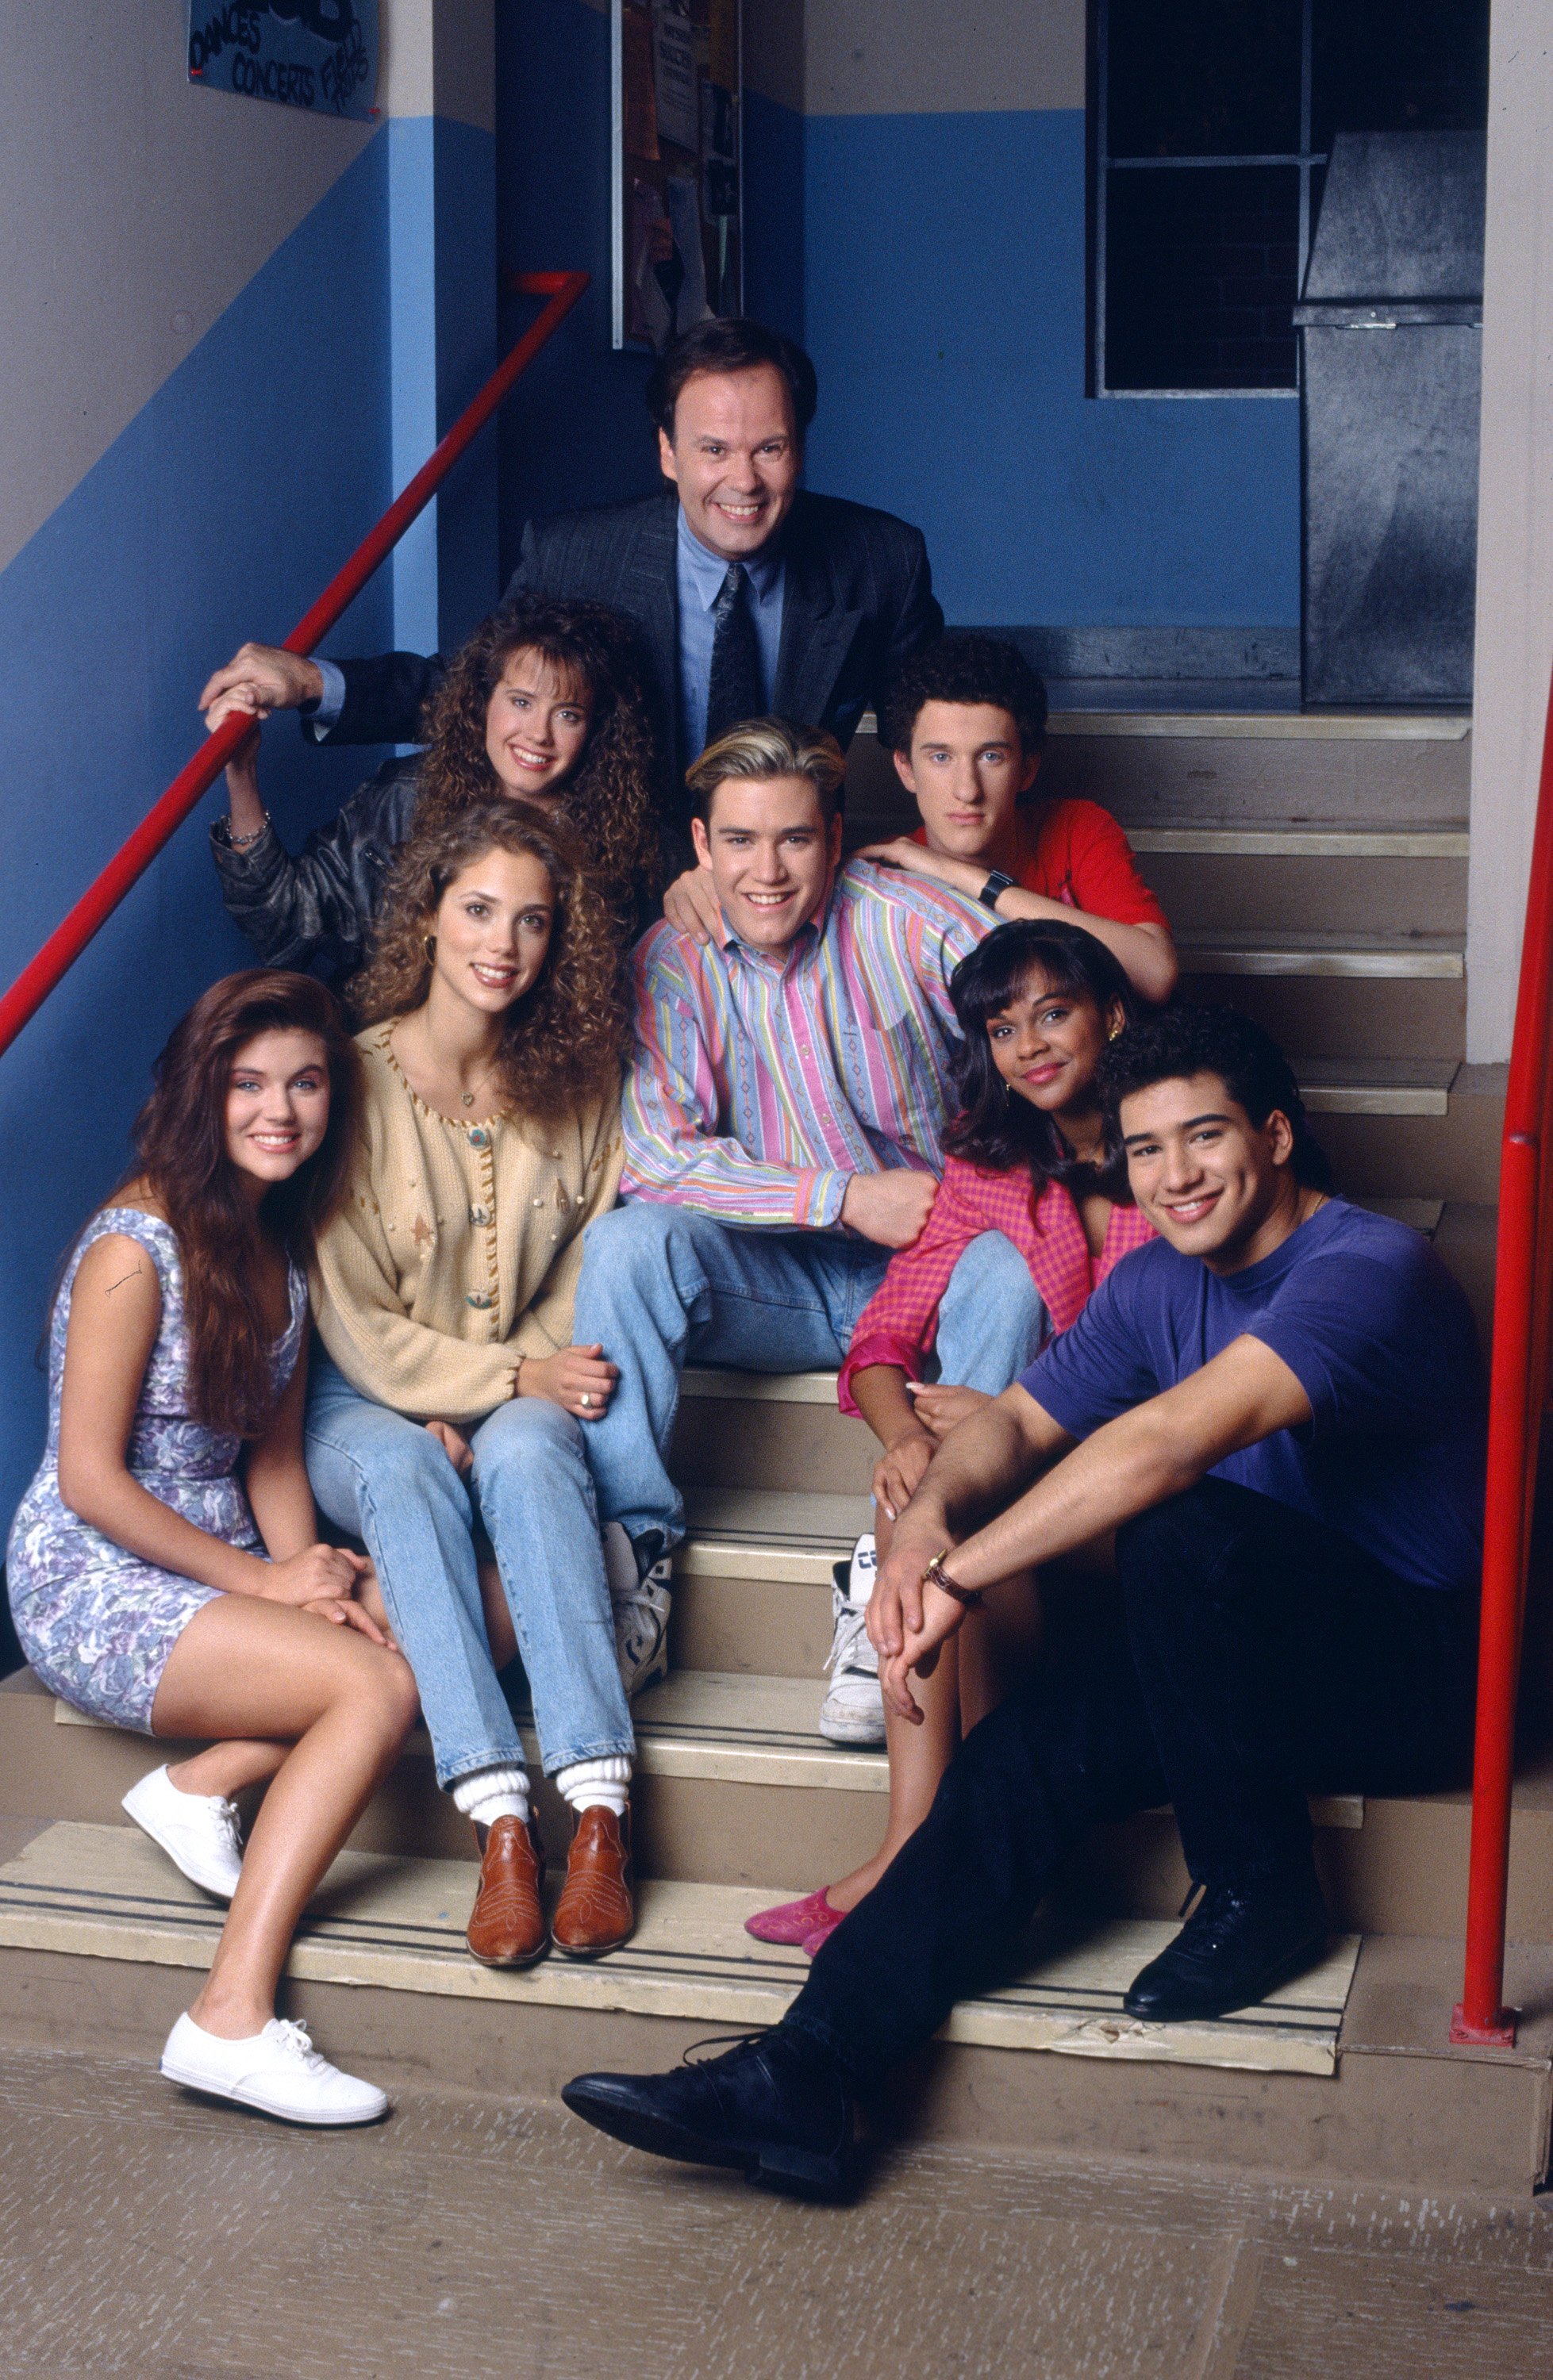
[759, 1084]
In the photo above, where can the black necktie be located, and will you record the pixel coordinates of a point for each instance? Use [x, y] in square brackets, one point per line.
[735, 690]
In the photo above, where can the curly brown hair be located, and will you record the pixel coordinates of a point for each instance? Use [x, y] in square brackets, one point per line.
[180, 1142]
[608, 801]
[565, 1042]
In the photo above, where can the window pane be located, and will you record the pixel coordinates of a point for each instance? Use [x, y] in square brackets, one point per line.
[1199, 272]
[1203, 78]
[1399, 66]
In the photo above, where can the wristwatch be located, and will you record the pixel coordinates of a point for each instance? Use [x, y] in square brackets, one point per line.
[994, 888]
[936, 1575]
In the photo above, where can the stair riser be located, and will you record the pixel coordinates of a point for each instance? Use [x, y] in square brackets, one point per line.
[1347, 1016]
[721, 1442]
[1454, 1156]
[1441, 2121]
[763, 1627]
[1251, 780]
[1228, 893]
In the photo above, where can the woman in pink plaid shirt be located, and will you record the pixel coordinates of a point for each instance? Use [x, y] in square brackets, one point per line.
[1036, 1002]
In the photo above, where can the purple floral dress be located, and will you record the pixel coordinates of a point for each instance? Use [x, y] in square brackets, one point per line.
[97, 1623]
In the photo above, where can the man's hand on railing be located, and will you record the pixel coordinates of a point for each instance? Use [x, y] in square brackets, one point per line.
[276, 680]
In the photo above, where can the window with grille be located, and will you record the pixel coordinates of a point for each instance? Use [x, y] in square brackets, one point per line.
[1210, 121]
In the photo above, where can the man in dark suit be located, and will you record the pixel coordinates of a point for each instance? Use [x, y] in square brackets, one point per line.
[750, 594]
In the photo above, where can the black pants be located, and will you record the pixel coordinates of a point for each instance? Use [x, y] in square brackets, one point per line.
[1256, 1658]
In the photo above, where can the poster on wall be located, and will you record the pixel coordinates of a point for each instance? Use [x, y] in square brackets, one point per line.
[677, 186]
[316, 53]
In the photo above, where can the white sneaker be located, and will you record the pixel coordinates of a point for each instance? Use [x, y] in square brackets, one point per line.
[198, 1831]
[278, 2071]
[853, 1711]
[642, 1602]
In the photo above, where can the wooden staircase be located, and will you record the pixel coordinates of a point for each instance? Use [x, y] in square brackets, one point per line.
[1317, 869]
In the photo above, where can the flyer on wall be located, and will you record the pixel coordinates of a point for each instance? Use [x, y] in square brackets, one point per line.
[320, 54]
[678, 198]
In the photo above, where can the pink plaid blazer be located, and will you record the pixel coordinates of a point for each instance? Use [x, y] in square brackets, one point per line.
[901, 1321]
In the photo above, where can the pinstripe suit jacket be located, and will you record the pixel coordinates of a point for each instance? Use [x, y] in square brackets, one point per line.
[858, 600]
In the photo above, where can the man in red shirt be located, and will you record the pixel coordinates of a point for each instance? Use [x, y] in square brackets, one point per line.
[965, 719]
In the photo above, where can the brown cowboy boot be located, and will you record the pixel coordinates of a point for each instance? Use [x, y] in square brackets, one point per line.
[595, 1912]
[506, 1924]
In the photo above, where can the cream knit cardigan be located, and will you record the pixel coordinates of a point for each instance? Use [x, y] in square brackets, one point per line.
[458, 1246]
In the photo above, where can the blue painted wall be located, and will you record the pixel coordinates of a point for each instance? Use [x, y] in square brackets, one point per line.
[575, 430]
[774, 250]
[219, 513]
[943, 306]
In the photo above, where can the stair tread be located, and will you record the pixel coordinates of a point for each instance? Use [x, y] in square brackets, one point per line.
[817, 1523]
[1197, 833]
[398, 1925]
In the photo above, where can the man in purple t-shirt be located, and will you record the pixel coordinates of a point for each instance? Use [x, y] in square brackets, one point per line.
[1278, 1408]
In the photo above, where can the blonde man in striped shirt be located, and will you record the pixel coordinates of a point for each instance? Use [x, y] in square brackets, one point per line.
[783, 1122]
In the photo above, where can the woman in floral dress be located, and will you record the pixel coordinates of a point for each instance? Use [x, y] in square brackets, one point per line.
[157, 1586]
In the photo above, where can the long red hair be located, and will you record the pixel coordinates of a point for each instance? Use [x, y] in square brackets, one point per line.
[180, 1140]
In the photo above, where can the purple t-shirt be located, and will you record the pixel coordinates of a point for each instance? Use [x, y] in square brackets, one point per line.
[1379, 1337]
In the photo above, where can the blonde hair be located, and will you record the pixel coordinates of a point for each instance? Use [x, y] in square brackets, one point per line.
[759, 749]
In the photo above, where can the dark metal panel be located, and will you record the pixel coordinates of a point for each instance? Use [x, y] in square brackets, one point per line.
[1401, 217]
[1390, 464]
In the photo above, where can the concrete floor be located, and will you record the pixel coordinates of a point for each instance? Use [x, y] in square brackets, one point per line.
[147, 2235]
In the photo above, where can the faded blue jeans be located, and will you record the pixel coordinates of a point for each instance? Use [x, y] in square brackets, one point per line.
[663, 1286]
[389, 1481]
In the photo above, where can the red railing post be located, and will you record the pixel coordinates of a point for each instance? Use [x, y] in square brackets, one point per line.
[1517, 1393]
[98, 903]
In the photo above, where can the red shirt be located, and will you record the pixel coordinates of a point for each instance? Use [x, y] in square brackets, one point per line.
[900, 1322]
[1074, 852]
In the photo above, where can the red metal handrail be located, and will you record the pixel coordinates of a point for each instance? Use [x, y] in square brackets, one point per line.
[68, 939]
[1517, 1393]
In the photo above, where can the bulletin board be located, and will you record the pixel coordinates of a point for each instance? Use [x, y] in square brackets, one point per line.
[679, 250]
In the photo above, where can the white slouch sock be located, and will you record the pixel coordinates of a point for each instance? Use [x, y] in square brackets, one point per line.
[491, 1793]
[588, 1783]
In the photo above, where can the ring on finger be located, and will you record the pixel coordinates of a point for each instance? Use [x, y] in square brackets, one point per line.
[584, 1400]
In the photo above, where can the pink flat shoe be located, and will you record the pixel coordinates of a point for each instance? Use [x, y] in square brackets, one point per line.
[794, 1922]
[828, 1922]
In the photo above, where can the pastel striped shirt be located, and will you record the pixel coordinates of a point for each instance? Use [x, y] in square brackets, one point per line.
[900, 1322]
[760, 1085]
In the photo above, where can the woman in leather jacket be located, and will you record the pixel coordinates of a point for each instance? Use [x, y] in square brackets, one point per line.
[545, 704]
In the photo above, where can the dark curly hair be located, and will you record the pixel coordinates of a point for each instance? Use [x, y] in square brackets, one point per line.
[1174, 1043]
[995, 1127]
[608, 799]
[180, 1144]
[565, 1042]
[964, 667]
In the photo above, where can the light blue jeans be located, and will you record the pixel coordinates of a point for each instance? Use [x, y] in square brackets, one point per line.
[390, 1482]
[662, 1286]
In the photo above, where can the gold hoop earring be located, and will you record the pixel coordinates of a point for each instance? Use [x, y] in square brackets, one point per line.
[428, 944]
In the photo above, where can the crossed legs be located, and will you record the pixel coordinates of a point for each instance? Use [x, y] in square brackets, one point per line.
[321, 1711]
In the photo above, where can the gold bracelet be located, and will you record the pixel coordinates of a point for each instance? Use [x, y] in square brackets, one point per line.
[936, 1575]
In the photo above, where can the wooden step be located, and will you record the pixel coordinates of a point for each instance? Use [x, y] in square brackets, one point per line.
[107, 1892]
[737, 1787]
[1215, 879]
[1272, 950]
[1347, 2074]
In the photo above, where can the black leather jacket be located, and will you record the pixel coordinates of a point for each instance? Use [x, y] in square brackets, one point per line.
[316, 910]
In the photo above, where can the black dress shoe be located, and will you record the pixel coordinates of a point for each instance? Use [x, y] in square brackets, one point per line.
[773, 2109]
[1233, 1950]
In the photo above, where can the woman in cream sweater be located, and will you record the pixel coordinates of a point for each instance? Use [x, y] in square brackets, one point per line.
[450, 1395]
